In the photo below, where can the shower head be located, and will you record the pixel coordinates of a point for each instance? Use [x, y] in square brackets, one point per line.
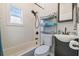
[34, 13]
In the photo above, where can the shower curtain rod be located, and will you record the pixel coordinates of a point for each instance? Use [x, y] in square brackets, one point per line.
[39, 5]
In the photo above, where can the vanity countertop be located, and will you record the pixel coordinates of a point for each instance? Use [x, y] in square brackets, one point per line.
[65, 38]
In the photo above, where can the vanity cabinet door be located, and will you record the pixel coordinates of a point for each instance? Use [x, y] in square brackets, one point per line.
[63, 49]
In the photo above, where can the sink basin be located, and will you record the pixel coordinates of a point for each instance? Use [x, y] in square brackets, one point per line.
[65, 38]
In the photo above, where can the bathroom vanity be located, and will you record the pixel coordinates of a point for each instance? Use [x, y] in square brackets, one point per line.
[62, 47]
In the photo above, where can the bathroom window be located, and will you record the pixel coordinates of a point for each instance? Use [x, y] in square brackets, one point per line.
[16, 15]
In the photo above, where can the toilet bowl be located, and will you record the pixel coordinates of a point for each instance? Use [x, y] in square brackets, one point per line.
[43, 50]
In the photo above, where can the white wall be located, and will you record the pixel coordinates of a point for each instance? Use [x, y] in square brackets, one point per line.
[49, 9]
[17, 38]
[68, 25]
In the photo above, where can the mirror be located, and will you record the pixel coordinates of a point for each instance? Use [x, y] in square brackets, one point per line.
[65, 12]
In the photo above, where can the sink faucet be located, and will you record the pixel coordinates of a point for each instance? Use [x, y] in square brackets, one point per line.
[65, 30]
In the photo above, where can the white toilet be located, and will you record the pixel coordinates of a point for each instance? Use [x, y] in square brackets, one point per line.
[46, 43]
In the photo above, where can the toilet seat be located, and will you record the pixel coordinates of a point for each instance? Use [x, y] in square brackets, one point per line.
[42, 50]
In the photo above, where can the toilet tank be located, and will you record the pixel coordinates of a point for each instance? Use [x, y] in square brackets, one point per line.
[46, 39]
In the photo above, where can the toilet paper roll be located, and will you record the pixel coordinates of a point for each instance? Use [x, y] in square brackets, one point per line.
[72, 43]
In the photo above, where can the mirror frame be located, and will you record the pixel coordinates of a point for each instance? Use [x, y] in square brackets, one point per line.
[59, 13]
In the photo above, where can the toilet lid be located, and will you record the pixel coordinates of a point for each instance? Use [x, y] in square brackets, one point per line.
[42, 49]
